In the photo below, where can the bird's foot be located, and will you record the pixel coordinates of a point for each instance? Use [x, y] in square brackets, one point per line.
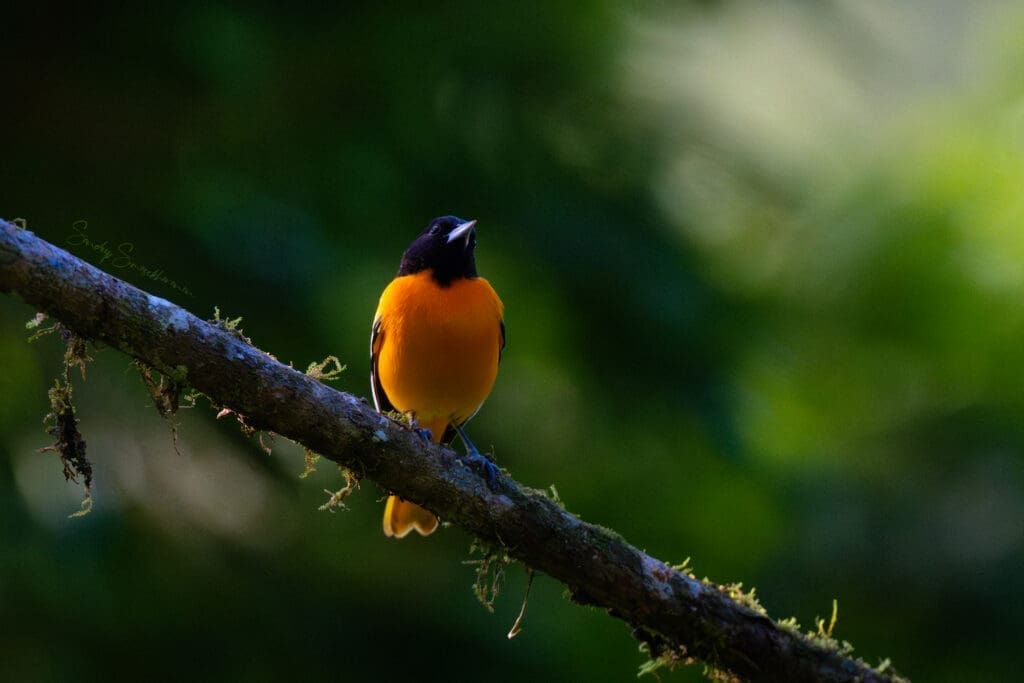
[483, 466]
[422, 432]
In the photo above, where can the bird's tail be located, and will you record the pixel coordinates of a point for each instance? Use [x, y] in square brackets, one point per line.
[401, 517]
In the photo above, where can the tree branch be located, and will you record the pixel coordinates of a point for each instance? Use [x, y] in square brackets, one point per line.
[669, 609]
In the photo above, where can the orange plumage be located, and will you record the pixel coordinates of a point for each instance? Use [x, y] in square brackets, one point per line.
[436, 344]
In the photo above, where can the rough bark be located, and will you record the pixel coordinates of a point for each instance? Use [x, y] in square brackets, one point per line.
[664, 606]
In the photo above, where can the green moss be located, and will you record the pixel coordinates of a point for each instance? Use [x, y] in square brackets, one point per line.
[164, 390]
[319, 370]
[231, 325]
[40, 331]
[664, 655]
[823, 636]
[746, 598]
[337, 498]
[685, 568]
[85, 508]
[310, 463]
[402, 418]
[789, 624]
[490, 571]
[35, 322]
[552, 494]
[61, 421]
[660, 654]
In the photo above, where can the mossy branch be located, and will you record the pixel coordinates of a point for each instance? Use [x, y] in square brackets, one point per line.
[667, 608]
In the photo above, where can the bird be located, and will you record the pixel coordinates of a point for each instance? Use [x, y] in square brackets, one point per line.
[437, 340]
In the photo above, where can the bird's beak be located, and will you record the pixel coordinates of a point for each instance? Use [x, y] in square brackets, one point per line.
[462, 232]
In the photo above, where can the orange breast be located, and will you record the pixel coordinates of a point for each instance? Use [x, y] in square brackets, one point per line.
[438, 347]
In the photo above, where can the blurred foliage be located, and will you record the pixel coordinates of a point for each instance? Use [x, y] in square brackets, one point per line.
[763, 270]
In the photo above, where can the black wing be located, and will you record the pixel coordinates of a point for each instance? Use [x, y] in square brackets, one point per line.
[501, 344]
[380, 399]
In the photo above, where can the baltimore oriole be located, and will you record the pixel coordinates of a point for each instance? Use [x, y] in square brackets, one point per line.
[434, 351]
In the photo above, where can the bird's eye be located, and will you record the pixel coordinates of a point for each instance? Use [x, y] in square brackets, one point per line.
[434, 229]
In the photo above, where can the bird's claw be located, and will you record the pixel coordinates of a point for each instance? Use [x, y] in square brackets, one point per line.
[422, 432]
[483, 465]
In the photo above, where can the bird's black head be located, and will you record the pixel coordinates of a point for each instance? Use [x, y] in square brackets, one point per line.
[446, 247]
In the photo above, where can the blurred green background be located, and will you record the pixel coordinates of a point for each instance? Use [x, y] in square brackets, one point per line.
[763, 266]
